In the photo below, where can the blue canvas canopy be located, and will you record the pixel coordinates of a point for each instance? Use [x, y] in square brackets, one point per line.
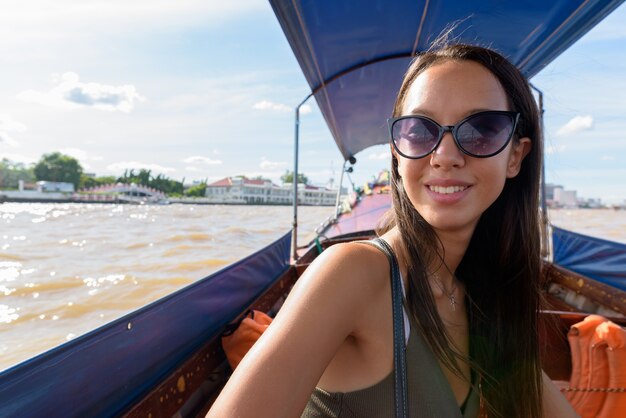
[599, 259]
[354, 53]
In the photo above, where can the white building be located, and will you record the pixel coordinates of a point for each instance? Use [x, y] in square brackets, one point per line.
[565, 198]
[550, 188]
[241, 190]
[314, 196]
[54, 186]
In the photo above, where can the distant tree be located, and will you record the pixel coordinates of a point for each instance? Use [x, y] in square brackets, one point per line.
[144, 176]
[199, 190]
[90, 182]
[160, 182]
[263, 178]
[167, 185]
[58, 167]
[288, 177]
[11, 173]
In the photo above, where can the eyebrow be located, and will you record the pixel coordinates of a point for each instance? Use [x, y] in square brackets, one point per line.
[424, 112]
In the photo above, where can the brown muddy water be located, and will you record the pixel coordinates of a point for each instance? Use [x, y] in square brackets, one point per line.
[66, 269]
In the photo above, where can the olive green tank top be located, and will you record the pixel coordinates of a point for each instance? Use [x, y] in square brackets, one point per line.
[429, 393]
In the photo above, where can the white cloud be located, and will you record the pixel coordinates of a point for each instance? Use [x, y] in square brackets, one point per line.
[8, 124]
[80, 154]
[70, 92]
[198, 159]
[191, 168]
[276, 107]
[128, 165]
[59, 19]
[279, 107]
[5, 138]
[608, 158]
[271, 165]
[576, 124]
[18, 158]
[386, 155]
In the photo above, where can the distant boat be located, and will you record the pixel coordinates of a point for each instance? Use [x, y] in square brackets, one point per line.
[132, 193]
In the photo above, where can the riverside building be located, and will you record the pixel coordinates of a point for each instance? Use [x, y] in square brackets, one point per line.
[242, 191]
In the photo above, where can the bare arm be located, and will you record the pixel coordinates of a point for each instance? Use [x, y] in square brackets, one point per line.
[276, 378]
[554, 403]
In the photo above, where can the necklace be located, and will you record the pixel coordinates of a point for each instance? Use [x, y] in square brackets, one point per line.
[450, 295]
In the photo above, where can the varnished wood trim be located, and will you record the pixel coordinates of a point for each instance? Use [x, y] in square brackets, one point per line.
[600, 293]
[557, 304]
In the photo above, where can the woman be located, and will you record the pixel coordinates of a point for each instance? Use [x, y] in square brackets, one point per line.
[466, 158]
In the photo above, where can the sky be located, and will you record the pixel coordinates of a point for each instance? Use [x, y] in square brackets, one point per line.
[204, 89]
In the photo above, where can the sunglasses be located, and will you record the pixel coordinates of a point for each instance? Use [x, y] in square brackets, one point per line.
[480, 135]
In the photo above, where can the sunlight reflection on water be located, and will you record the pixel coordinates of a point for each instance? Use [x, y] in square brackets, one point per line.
[67, 268]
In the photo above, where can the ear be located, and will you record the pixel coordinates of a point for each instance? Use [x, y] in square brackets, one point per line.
[394, 154]
[519, 150]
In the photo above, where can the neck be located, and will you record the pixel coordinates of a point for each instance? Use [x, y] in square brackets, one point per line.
[453, 247]
[454, 244]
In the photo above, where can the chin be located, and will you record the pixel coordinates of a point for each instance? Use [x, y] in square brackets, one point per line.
[450, 221]
[457, 228]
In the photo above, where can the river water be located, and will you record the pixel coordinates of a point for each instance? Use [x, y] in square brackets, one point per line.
[66, 269]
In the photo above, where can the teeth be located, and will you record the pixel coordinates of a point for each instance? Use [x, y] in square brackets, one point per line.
[447, 190]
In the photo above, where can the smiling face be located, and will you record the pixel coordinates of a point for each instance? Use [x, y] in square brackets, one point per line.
[448, 188]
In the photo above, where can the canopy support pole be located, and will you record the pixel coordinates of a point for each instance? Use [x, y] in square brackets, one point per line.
[343, 170]
[545, 239]
[294, 230]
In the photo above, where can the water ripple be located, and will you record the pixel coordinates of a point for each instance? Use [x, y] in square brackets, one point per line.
[129, 256]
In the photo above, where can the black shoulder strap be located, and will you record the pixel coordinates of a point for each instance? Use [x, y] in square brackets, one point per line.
[399, 343]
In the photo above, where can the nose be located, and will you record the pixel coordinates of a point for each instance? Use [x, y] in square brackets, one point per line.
[447, 155]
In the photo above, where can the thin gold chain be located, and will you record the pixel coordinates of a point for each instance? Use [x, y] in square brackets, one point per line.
[451, 297]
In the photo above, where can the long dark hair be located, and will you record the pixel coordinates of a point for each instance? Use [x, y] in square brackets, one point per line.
[501, 267]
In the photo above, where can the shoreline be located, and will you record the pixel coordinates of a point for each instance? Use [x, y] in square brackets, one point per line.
[203, 201]
[173, 201]
[14, 196]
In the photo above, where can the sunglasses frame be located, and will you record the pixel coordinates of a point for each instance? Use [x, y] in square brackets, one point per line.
[453, 129]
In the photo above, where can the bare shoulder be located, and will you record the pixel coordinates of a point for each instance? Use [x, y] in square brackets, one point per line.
[321, 312]
[354, 267]
[350, 282]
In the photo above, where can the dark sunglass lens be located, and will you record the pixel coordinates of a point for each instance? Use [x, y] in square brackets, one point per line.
[415, 137]
[485, 134]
